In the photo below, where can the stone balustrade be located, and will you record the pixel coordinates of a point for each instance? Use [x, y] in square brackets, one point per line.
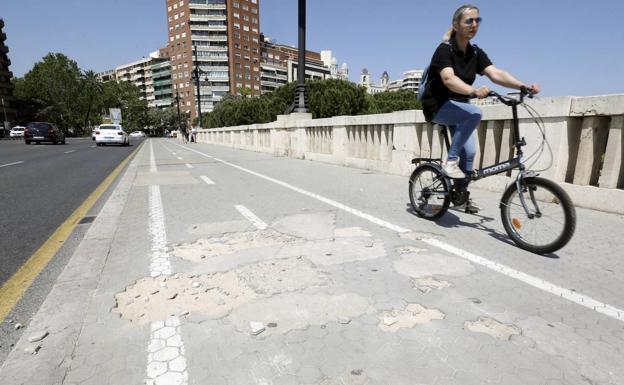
[584, 135]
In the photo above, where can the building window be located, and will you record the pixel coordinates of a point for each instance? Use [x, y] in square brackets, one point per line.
[175, 6]
[237, 25]
[236, 4]
[254, 29]
[169, 9]
[236, 15]
[245, 28]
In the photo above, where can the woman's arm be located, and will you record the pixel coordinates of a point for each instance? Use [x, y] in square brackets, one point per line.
[505, 79]
[455, 84]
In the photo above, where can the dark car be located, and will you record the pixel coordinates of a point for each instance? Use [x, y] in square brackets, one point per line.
[43, 132]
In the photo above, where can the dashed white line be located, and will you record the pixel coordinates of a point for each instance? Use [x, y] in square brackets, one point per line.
[180, 158]
[260, 225]
[206, 179]
[69, 152]
[169, 368]
[152, 160]
[538, 283]
[188, 165]
[11, 164]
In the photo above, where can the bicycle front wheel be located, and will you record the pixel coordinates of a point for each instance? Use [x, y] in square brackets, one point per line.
[538, 217]
[429, 192]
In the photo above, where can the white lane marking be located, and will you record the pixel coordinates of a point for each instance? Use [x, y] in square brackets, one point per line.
[260, 225]
[330, 202]
[93, 146]
[160, 259]
[166, 361]
[206, 179]
[11, 164]
[69, 152]
[179, 158]
[538, 283]
[189, 165]
[152, 160]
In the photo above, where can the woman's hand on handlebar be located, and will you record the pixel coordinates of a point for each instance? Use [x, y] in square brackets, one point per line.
[532, 89]
[481, 92]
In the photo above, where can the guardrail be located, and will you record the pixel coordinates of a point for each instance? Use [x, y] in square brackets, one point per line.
[585, 134]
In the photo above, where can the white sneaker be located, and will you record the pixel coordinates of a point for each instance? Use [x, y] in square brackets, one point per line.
[452, 170]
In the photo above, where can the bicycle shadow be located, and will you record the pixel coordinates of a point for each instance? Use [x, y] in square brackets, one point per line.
[451, 220]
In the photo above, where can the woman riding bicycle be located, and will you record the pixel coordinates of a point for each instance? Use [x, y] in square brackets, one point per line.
[453, 70]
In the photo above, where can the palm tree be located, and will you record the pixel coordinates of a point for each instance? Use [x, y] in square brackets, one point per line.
[92, 87]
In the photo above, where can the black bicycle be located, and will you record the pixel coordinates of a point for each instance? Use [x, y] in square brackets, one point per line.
[538, 215]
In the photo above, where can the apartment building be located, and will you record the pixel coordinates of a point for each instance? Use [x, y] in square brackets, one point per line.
[279, 65]
[138, 73]
[151, 75]
[410, 81]
[223, 38]
[7, 112]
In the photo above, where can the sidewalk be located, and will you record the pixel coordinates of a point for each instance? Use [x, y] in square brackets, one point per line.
[261, 285]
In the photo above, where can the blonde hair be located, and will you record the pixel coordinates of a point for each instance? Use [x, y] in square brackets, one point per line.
[456, 18]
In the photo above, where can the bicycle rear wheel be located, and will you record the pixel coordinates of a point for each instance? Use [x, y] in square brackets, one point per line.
[429, 192]
[551, 218]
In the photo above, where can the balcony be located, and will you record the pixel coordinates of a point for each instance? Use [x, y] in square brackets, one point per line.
[208, 17]
[210, 38]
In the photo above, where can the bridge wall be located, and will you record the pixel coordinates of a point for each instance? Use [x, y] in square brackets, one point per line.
[584, 135]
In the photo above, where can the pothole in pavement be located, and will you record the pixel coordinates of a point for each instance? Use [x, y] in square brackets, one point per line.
[493, 327]
[427, 284]
[156, 299]
[230, 244]
[392, 321]
[214, 295]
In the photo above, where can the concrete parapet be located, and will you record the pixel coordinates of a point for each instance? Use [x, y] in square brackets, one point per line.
[584, 135]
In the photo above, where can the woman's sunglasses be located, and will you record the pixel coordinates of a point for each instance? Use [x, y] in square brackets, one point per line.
[471, 20]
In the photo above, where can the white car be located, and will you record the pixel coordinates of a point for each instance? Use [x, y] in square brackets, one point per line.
[111, 134]
[17, 132]
[138, 134]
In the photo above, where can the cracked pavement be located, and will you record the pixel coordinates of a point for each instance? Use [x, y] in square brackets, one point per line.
[340, 299]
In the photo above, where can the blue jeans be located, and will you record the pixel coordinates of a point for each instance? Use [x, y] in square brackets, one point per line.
[462, 119]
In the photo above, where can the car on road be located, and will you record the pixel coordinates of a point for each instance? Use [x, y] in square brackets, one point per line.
[40, 132]
[17, 132]
[138, 134]
[111, 134]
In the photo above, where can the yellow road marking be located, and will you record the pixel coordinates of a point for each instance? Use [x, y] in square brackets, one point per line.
[13, 289]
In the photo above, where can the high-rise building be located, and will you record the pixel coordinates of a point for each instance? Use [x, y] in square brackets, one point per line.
[7, 112]
[223, 38]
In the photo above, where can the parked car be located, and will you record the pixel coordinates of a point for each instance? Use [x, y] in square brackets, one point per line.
[17, 132]
[111, 134]
[39, 132]
[138, 134]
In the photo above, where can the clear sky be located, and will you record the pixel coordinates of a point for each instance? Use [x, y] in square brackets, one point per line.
[569, 47]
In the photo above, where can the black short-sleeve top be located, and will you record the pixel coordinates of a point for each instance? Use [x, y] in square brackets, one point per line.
[466, 66]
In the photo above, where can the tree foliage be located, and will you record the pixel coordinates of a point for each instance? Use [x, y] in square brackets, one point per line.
[58, 91]
[385, 102]
[326, 98]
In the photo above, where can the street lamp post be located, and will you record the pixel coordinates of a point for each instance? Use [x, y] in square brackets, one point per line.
[301, 98]
[196, 72]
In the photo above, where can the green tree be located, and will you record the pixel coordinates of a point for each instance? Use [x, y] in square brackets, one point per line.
[92, 88]
[335, 97]
[52, 88]
[385, 102]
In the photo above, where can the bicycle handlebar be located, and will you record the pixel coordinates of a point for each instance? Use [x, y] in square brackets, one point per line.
[524, 92]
